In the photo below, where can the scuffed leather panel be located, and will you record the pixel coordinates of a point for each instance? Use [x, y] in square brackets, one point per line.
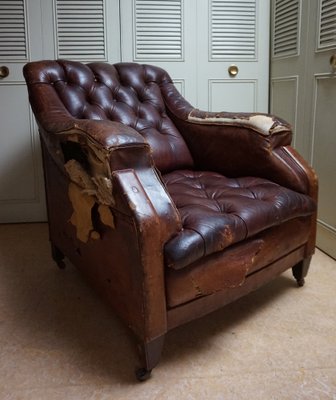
[264, 124]
[231, 267]
[217, 211]
[128, 93]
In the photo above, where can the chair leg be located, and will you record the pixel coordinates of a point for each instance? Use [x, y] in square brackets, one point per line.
[57, 256]
[150, 354]
[300, 271]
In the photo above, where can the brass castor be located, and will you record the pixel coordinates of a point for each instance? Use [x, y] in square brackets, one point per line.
[57, 256]
[301, 282]
[300, 271]
[142, 374]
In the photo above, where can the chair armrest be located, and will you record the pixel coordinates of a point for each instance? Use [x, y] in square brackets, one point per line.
[89, 151]
[141, 196]
[107, 139]
[92, 152]
[57, 125]
[264, 124]
[243, 144]
[107, 134]
[301, 171]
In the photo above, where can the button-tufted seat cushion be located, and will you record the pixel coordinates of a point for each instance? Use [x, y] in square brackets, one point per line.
[217, 211]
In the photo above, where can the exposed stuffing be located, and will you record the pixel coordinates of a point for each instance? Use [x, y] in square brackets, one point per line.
[84, 192]
[264, 124]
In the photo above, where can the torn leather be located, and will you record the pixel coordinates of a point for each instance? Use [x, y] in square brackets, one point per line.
[222, 271]
[84, 192]
[262, 123]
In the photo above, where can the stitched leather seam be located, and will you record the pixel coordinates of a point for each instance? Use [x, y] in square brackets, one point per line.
[204, 245]
[292, 161]
[246, 230]
[207, 195]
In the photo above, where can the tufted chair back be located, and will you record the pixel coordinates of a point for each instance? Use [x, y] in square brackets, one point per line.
[128, 93]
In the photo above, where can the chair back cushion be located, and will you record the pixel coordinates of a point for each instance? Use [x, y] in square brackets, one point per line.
[129, 93]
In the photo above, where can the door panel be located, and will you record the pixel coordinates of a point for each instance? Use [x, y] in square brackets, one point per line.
[323, 117]
[158, 30]
[80, 29]
[286, 33]
[21, 182]
[284, 97]
[315, 116]
[289, 41]
[232, 30]
[323, 159]
[239, 36]
[196, 41]
[32, 30]
[220, 95]
[18, 174]
[162, 33]
[324, 146]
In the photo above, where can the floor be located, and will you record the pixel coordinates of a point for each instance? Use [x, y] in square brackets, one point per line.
[59, 341]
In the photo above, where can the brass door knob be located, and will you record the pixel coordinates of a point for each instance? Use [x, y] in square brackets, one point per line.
[4, 72]
[233, 70]
[333, 62]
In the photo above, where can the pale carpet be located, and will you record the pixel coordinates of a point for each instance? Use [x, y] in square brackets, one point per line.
[59, 341]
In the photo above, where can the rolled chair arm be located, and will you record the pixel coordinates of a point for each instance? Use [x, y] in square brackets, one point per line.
[140, 195]
[107, 134]
[89, 150]
[237, 150]
[264, 124]
[180, 110]
[241, 144]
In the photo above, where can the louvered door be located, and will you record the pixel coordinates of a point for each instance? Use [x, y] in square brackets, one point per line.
[13, 30]
[158, 30]
[322, 117]
[32, 30]
[21, 183]
[232, 30]
[327, 25]
[288, 43]
[81, 29]
[162, 33]
[303, 91]
[86, 30]
[197, 41]
[286, 28]
[239, 37]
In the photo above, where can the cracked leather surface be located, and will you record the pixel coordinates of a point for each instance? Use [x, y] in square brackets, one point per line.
[217, 211]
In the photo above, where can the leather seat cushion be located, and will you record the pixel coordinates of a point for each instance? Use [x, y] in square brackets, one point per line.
[217, 211]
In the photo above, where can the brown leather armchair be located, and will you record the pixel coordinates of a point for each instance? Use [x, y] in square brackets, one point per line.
[169, 211]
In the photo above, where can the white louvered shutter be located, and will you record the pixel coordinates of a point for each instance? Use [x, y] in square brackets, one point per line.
[327, 24]
[286, 28]
[232, 29]
[81, 29]
[13, 41]
[158, 29]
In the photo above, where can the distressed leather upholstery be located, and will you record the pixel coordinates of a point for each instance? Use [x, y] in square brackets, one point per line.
[125, 93]
[171, 212]
[217, 211]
